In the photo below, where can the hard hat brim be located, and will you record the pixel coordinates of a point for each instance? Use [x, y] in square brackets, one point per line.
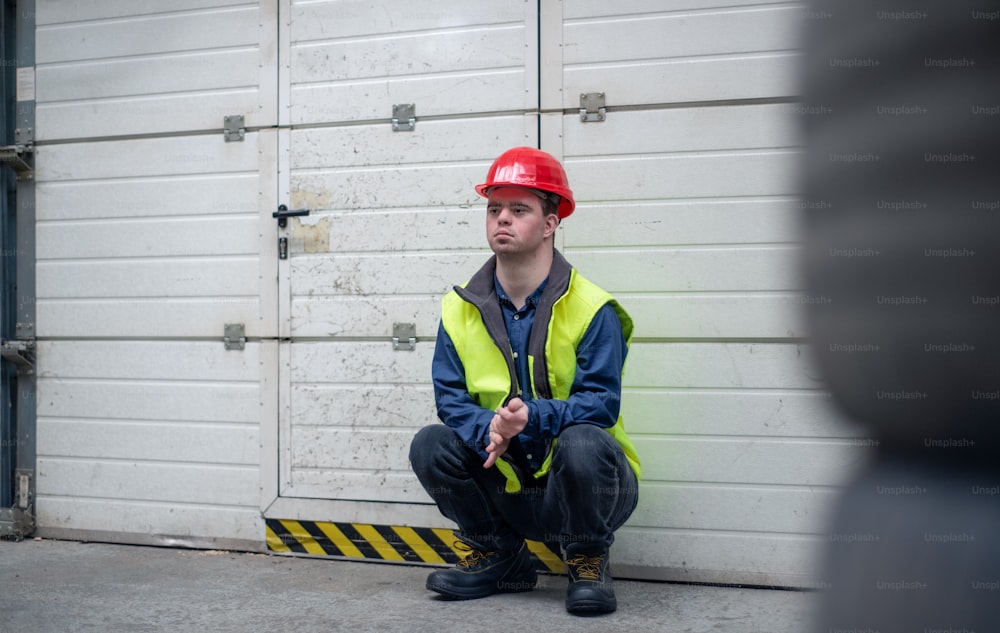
[530, 168]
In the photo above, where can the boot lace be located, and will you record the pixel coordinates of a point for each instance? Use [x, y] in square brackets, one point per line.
[586, 567]
[470, 555]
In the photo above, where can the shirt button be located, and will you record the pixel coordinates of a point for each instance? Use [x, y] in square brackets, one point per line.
[515, 354]
[517, 317]
[528, 455]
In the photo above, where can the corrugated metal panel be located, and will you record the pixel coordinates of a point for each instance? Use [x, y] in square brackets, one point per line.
[159, 439]
[353, 421]
[674, 54]
[123, 240]
[120, 68]
[391, 220]
[148, 429]
[686, 212]
[353, 61]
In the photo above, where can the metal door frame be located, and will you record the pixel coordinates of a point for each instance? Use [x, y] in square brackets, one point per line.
[17, 234]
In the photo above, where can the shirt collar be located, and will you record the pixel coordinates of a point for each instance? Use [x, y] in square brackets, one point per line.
[532, 299]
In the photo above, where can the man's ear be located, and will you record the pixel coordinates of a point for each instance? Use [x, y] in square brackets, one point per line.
[551, 224]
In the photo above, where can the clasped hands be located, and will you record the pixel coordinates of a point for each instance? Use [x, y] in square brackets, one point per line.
[509, 420]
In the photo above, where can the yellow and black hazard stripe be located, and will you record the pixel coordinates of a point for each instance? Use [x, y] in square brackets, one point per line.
[398, 543]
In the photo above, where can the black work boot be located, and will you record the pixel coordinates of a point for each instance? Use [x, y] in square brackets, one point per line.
[591, 590]
[483, 573]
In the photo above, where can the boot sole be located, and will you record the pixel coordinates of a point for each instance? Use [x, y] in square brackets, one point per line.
[591, 607]
[472, 593]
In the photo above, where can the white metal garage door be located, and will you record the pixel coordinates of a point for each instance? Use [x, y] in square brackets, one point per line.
[151, 237]
[686, 213]
[394, 223]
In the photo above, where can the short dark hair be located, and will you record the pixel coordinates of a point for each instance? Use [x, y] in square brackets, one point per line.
[550, 204]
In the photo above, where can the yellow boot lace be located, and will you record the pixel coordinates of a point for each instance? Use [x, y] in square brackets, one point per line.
[470, 555]
[586, 567]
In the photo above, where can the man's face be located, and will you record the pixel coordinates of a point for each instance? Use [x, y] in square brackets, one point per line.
[515, 222]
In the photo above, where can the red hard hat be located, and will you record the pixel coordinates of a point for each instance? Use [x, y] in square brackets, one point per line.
[531, 168]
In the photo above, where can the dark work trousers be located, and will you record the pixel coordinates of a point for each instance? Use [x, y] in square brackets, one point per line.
[589, 492]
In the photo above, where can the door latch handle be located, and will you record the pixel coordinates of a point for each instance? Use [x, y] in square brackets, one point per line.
[283, 213]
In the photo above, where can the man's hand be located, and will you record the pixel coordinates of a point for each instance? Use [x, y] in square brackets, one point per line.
[507, 423]
[498, 446]
[511, 419]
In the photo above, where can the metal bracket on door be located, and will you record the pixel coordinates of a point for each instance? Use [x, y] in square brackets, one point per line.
[20, 159]
[592, 108]
[18, 521]
[234, 336]
[21, 155]
[21, 353]
[404, 337]
[233, 128]
[24, 330]
[404, 117]
[24, 488]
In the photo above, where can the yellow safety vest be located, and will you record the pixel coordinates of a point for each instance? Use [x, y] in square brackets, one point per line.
[472, 317]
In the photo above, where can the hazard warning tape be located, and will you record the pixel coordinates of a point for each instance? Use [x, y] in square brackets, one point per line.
[384, 542]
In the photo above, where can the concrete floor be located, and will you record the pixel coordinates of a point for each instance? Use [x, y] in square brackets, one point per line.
[64, 586]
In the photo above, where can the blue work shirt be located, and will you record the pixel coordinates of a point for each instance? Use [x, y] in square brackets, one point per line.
[595, 396]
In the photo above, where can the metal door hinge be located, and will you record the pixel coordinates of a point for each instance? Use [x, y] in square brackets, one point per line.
[234, 336]
[404, 117]
[21, 353]
[592, 107]
[233, 128]
[404, 337]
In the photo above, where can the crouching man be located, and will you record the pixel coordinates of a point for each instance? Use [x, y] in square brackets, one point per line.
[527, 379]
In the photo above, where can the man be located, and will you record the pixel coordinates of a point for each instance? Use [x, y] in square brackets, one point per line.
[527, 378]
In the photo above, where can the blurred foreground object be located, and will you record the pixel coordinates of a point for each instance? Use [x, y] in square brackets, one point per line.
[901, 214]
